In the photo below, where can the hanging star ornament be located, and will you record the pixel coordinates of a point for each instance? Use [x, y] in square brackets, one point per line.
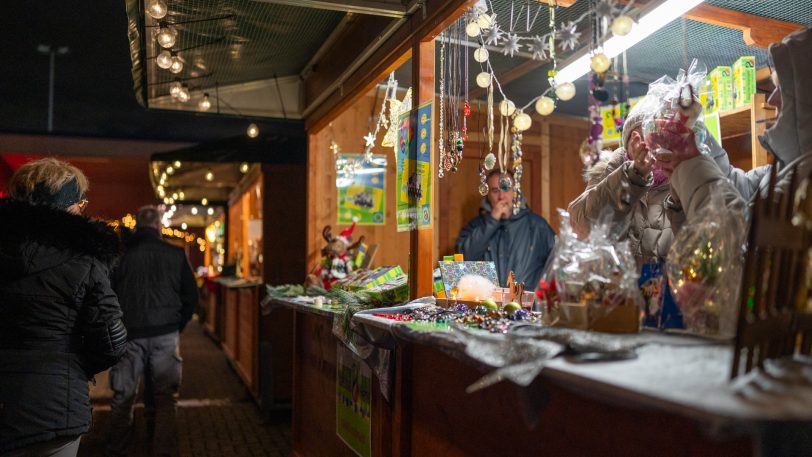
[494, 35]
[606, 8]
[511, 45]
[539, 48]
[568, 36]
[370, 140]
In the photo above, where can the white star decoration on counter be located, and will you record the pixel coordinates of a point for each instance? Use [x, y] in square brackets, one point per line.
[370, 140]
[511, 44]
[568, 36]
[539, 48]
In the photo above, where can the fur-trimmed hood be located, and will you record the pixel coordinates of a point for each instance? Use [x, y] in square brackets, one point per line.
[33, 238]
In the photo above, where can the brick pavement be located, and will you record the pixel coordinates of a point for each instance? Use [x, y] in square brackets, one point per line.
[216, 417]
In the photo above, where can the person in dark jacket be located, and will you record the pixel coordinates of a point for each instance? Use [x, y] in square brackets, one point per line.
[60, 321]
[518, 242]
[158, 295]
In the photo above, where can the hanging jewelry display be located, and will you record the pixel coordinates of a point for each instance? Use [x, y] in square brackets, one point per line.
[483, 168]
[441, 128]
[591, 147]
[454, 106]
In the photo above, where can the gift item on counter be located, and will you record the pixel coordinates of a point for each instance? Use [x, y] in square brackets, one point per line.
[591, 284]
[392, 291]
[744, 81]
[452, 272]
[494, 320]
[365, 279]
[672, 111]
[659, 309]
[705, 268]
[338, 257]
[721, 88]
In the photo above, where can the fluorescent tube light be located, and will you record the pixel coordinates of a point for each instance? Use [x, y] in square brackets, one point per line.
[652, 21]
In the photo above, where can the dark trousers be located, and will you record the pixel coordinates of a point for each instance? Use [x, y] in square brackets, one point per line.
[158, 358]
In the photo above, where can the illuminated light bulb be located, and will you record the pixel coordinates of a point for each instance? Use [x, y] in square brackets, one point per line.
[173, 208]
[183, 226]
[472, 29]
[174, 89]
[205, 103]
[160, 188]
[170, 170]
[484, 21]
[183, 95]
[204, 201]
[507, 108]
[164, 59]
[166, 200]
[483, 79]
[244, 167]
[209, 176]
[210, 211]
[545, 105]
[600, 63]
[166, 36]
[177, 65]
[481, 55]
[177, 164]
[194, 211]
[252, 131]
[522, 121]
[174, 197]
[157, 9]
[565, 91]
[181, 195]
[622, 25]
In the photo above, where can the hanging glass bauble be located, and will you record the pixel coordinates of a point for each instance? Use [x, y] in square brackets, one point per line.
[565, 91]
[622, 25]
[490, 161]
[483, 189]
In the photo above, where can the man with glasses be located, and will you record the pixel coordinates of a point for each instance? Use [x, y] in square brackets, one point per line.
[518, 241]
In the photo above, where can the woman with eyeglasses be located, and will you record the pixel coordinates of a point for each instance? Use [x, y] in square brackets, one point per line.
[60, 321]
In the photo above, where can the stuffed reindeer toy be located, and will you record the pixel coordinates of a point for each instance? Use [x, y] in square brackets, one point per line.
[337, 257]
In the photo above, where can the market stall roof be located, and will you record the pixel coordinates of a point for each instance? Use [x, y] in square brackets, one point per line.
[275, 149]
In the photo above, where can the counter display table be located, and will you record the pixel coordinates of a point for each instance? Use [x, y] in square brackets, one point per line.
[672, 397]
[257, 344]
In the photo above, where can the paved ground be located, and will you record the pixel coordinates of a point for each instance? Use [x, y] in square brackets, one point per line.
[215, 415]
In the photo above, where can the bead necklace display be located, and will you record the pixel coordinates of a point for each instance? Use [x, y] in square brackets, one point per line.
[454, 105]
[482, 317]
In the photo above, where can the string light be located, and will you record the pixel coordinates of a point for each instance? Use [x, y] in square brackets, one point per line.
[157, 9]
[483, 79]
[204, 201]
[183, 226]
[164, 59]
[253, 130]
[481, 55]
[183, 95]
[209, 175]
[244, 167]
[170, 170]
[210, 211]
[194, 211]
[177, 164]
[545, 105]
[174, 89]
[565, 91]
[166, 36]
[177, 64]
[205, 103]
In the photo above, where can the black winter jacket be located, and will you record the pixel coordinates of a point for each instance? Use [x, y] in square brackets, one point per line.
[520, 244]
[60, 321]
[155, 285]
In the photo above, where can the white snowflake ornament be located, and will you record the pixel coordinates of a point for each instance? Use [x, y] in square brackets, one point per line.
[568, 36]
[606, 8]
[511, 45]
[494, 35]
[539, 48]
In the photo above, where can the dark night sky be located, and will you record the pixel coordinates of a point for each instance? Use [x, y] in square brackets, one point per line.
[94, 87]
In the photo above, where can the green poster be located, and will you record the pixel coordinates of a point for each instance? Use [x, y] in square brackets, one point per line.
[414, 209]
[361, 188]
[405, 165]
[353, 401]
[423, 155]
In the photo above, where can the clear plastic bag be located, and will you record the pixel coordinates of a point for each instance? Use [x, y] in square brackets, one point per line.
[672, 112]
[705, 266]
[592, 283]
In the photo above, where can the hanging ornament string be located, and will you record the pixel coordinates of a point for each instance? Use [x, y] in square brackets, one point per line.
[440, 138]
[383, 120]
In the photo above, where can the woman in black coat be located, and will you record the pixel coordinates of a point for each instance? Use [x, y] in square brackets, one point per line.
[60, 321]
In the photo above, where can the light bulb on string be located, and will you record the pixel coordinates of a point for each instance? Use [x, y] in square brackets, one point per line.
[174, 196]
[170, 170]
[174, 89]
[194, 211]
[205, 103]
[177, 65]
[507, 108]
[522, 121]
[565, 91]
[164, 59]
[545, 105]
[600, 63]
[472, 29]
[183, 226]
[484, 21]
[210, 211]
[209, 175]
[166, 36]
[204, 201]
[157, 9]
[244, 167]
[181, 195]
[252, 131]
[183, 95]
[622, 25]
[177, 164]
[481, 55]
[483, 79]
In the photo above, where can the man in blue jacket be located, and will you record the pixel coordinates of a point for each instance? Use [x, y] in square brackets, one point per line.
[518, 242]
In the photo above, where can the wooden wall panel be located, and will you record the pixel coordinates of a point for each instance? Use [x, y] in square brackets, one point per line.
[566, 168]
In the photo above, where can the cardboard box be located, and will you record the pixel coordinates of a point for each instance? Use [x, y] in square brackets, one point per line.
[744, 81]
[598, 318]
[721, 89]
[706, 97]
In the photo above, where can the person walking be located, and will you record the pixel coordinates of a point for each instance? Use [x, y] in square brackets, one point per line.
[158, 294]
[60, 321]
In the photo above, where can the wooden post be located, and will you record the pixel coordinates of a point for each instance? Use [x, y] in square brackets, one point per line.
[546, 209]
[421, 243]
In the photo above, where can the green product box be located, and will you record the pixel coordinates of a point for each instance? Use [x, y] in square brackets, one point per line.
[721, 89]
[744, 81]
[706, 98]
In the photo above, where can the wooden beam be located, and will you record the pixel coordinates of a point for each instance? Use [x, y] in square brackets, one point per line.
[391, 8]
[421, 242]
[756, 30]
[391, 53]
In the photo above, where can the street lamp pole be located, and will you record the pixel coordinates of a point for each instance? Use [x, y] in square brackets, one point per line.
[52, 53]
